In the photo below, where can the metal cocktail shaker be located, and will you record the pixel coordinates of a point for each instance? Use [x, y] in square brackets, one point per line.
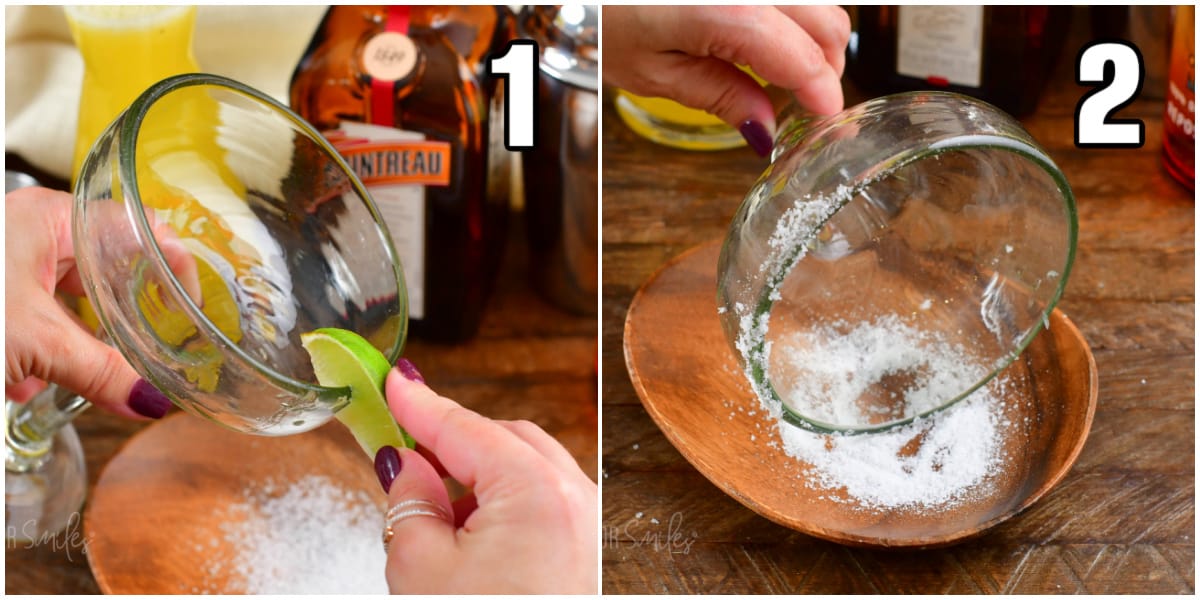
[560, 173]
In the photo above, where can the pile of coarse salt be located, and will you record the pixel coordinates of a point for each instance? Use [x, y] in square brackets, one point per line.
[941, 460]
[310, 536]
[836, 364]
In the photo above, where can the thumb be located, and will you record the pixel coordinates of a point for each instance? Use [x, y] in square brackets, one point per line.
[721, 89]
[67, 355]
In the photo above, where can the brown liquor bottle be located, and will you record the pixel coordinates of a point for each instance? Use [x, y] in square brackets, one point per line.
[1000, 54]
[475, 31]
[404, 108]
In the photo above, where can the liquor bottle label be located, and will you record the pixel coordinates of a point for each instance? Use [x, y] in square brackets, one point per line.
[1181, 83]
[396, 166]
[941, 45]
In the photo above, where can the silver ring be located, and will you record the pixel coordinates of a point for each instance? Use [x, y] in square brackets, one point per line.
[414, 507]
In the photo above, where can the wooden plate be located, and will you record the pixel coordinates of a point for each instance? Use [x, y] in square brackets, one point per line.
[689, 381]
[153, 522]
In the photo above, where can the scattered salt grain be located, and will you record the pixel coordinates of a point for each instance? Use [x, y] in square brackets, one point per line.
[1008, 248]
[639, 515]
[940, 460]
[926, 304]
[956, 455]
[837, 370]
[635, 446]
[307, 537]
[654, 521]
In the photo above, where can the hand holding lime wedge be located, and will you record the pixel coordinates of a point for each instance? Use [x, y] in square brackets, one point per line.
[344, 359]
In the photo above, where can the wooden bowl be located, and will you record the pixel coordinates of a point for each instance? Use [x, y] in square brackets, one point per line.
[691, 385]
[153, 523]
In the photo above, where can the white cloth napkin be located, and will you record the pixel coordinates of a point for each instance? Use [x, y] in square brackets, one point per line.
[257, 45]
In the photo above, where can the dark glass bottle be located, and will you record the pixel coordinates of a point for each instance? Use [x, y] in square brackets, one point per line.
[475, 31]
[392, 93]
[1145, 26]
[999, 54]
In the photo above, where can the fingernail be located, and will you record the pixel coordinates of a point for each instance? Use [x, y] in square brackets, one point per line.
[146, 400]
[756, 135]
[387, 466]
[409, 370]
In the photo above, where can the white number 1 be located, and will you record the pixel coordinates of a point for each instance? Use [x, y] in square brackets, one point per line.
[518, 67]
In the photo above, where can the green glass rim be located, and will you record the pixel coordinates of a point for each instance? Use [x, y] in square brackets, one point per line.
[130, 125]
[756, 365]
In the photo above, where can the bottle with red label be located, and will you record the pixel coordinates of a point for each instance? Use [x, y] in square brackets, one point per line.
[407, 111]
[1179, 120]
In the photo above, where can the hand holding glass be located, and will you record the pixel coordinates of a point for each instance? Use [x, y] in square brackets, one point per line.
[283, 239]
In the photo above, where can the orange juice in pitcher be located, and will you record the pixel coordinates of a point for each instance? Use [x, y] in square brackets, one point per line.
[125, 50]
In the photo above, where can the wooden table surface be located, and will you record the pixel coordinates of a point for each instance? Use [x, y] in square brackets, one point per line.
[530, 361]
[1121, 522]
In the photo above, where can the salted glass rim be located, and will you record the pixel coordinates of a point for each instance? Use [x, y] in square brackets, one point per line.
[1023, 145]
[130, 126]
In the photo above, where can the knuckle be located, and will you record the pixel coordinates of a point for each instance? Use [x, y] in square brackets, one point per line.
[724, 103]
[841, 25]
[461, 418]
[106, 370]
[737, 15]
[525, 426]
[812, 57]
[565, 502]
[646, 84]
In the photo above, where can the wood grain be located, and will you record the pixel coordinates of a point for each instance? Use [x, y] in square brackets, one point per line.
[1122, 521]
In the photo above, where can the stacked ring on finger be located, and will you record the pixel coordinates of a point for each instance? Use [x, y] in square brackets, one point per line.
[414, 507]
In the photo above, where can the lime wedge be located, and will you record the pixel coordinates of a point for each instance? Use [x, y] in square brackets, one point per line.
[344, 359]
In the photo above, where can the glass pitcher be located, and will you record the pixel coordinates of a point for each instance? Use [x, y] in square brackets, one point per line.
[125, 49]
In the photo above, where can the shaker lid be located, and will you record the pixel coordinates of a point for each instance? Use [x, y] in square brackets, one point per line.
[567, 36]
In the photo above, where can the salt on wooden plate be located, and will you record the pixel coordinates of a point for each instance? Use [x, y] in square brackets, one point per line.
[309, 536]
[943, 459]
[940, 460]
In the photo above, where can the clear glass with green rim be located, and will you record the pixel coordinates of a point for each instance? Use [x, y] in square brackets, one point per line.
[213, 226]
[927, 213]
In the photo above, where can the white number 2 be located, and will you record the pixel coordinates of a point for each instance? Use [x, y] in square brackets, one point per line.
[518, 66]
[1094, 125]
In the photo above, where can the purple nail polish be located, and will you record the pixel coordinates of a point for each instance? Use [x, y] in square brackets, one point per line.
[387, 466]
[146, 400]
[409, 370]
[756, 135]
